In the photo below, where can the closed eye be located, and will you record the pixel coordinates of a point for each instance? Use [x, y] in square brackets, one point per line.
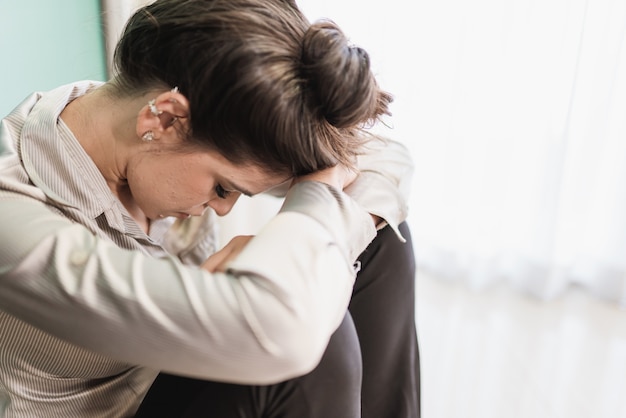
[221, 192]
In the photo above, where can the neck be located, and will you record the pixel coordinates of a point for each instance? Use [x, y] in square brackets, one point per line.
[104, 125]
[100, 127]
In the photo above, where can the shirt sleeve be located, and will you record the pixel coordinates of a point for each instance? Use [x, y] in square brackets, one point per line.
[384, 181]
[267, 319]
[383, 184]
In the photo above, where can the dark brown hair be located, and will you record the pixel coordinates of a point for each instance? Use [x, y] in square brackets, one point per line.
[264, 85]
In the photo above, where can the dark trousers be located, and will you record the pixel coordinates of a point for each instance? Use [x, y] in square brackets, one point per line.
[370, 368]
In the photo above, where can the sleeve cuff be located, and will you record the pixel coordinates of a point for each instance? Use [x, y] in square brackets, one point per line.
[378, 196]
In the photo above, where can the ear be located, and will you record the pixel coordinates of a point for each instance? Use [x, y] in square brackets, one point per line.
[161, 115]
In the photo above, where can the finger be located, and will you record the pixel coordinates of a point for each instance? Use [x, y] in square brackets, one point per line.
[217, 261]
[214, 260]
[234, 249]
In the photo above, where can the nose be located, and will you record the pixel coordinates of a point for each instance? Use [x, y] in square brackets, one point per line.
[223, 206]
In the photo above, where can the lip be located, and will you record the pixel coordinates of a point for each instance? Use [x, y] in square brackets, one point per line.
[182, 215]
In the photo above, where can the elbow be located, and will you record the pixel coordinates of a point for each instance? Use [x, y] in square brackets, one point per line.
[295, 364]
[308, 354]
[296, 352]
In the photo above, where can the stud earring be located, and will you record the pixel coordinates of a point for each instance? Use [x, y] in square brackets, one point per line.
[148, 136]
[153, 108]
[174, 90]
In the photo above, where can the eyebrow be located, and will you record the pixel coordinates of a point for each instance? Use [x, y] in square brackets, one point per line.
[232, 187]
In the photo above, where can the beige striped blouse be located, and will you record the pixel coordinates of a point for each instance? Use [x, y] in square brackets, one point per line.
[91, 307]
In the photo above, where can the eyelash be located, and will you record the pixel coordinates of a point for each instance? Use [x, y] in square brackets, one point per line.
[221, 192]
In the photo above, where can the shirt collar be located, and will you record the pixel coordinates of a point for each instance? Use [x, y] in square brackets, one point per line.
[58, 165]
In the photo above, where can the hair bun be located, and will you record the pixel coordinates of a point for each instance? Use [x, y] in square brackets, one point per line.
[340, 84]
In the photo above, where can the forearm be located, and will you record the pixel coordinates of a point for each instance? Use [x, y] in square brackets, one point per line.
[266, 319]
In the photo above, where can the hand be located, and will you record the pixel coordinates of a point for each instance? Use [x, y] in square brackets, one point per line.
[219, 260]
[338, 176]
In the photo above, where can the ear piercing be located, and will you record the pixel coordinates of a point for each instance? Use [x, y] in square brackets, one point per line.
[154, 111]
[152, 104]
[148, 136]
[153, 108]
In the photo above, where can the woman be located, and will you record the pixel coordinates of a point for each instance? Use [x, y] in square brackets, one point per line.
[108, 192]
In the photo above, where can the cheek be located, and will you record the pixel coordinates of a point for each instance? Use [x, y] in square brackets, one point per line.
[163, 183]
[144, 184]
[182, 192]
[147, 181]
[169, 182]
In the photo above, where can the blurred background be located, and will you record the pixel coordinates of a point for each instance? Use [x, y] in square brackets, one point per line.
[515, 114]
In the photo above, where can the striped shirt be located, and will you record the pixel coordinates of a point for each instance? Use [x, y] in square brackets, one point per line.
[91, 307]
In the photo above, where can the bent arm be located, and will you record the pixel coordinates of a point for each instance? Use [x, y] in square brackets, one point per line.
[384, 181]
[383, 184]
[267, 319]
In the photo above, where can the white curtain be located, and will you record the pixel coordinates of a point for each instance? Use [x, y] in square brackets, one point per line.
[515, 114]
[114, 16]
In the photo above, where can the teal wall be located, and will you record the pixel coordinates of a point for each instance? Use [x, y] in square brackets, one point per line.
[45, 43]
